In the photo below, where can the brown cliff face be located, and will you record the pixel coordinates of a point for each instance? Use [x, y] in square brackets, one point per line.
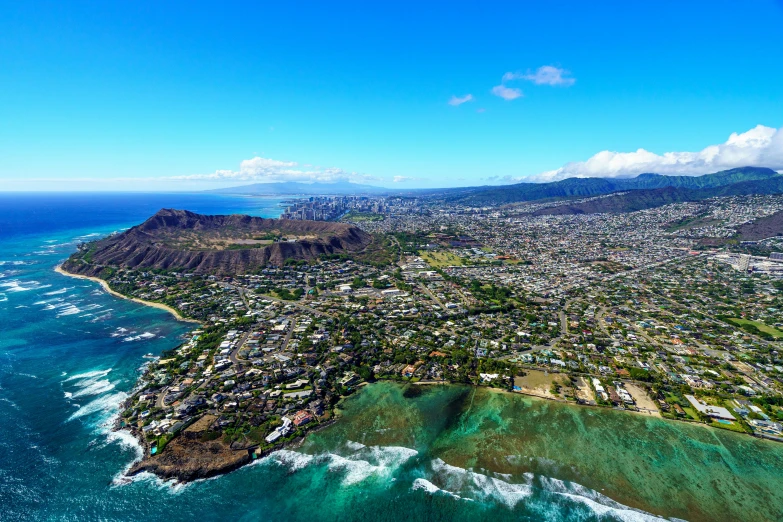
[233, 244]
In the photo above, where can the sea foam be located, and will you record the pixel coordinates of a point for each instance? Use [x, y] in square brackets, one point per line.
[374, 461]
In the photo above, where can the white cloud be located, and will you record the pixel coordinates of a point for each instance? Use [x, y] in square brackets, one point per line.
[266, 170]
[545, 75]
[759, 147]
[507, 93]
[402, 179]
[457, 100]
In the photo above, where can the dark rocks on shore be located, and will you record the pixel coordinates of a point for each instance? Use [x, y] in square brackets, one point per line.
[188, 457]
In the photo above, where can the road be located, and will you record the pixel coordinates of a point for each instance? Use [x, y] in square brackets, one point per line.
[234, 357]
[432, 296]
[288, 335]
[296, 304]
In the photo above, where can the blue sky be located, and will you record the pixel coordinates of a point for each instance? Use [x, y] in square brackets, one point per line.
[167, 96]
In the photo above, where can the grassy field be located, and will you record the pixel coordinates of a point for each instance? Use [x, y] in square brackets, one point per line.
[363, 216]
[441, 258]
[539, 383]
[758, 324]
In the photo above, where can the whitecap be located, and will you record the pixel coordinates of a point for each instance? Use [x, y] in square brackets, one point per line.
[292, 460]
[140, 337]
[379, 461]
[375, 461]
[71, 310]
[17, 263]
[88, 375]
[169, 486]
[47, 301]
[17, 285]
[125, 440]
[431, 488]
[598, 503]
[95, 388]
[57, 292]
[10, 403]
[470, 482]
[103, 404]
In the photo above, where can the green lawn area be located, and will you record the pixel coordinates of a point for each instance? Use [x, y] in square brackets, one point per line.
[363, 216]
[692, 413]
[441, 258]
[758, 324]
[734, 426]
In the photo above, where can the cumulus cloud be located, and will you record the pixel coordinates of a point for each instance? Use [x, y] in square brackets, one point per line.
[507, 93]
[459, 100]
[267, 170]
[759, 147]
[545, 75]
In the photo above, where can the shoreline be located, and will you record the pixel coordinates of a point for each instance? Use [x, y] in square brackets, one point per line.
[596, 407]
[180, 473]
[105, 286]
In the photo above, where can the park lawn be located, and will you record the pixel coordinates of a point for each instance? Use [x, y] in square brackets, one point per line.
[774, 332]
[363, 216]
[441, 259]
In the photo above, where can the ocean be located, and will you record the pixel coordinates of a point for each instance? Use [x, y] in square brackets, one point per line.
[70, 353]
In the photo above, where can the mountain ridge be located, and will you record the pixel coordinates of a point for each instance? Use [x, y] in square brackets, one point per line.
[220, 244]
[586, 187]
[643, 199]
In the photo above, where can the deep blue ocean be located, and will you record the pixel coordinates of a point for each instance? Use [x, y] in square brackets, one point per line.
[70, 353]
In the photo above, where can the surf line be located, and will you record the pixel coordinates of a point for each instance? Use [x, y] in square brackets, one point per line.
[106, 287]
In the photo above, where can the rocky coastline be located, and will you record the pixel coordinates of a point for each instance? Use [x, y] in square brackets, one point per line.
[187, 457]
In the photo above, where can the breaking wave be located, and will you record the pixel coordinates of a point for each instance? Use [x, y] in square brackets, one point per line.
[373, 461]
[17, 285]
[536, 493]
[105, 404]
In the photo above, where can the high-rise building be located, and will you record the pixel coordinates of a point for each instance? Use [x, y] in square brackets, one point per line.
[744, 263]
[777, 256]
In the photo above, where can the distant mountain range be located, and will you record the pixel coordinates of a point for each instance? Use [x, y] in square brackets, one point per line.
[586, 187]
[634, 200]
[643, 191]
[292, 188]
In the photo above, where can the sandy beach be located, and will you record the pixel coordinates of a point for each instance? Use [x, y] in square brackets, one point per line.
[105, 286]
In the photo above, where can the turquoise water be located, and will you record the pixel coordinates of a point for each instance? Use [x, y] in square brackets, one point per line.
[69, 353]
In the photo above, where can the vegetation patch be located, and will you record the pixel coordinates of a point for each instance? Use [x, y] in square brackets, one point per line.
[756, 327]
[442, 258]
[358, 217]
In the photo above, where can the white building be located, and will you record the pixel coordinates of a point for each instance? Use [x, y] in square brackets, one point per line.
[710, 410]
